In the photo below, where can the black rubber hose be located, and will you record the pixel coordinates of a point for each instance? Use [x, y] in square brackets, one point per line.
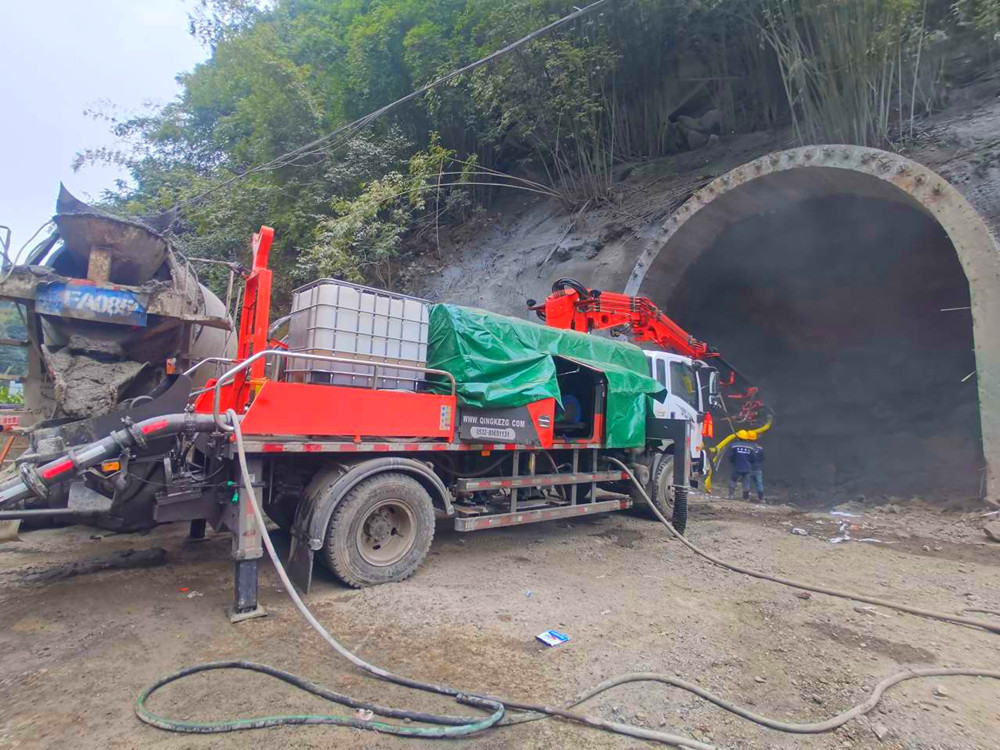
[573, 284]
[456, 726]
[680, 518]
[69, 465]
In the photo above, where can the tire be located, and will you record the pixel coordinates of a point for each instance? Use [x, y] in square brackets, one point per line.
[672, 503]
[380, 532]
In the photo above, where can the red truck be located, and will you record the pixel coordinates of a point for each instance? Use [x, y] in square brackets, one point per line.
[379, 415]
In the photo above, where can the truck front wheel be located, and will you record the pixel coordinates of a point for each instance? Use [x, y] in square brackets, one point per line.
[380, 532]
[669, 500]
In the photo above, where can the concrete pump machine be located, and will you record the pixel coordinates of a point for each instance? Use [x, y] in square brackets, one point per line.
[379, 414]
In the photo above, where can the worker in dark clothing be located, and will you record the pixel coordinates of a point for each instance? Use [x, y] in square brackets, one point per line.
[746, 459]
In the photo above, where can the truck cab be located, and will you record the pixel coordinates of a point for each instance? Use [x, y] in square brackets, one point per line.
[689, 387]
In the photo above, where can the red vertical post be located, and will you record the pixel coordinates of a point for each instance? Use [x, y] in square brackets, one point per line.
[256, 313]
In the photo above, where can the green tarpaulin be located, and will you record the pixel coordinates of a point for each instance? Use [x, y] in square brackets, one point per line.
[500, 362]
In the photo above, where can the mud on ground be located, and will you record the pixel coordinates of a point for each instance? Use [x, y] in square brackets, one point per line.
[77, 651]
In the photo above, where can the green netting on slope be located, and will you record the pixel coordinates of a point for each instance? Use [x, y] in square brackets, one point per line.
[500, 362]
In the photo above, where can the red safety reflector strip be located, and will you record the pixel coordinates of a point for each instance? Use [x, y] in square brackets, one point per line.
[273, 448]
[312, 447]
[154, 426]
[60, 468]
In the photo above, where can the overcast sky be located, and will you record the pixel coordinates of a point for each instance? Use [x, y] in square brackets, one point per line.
[59, 57]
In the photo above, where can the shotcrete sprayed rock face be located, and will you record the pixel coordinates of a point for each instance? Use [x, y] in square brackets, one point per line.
[833, 305]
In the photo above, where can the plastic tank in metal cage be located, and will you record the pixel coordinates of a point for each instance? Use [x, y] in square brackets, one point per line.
[338, 319]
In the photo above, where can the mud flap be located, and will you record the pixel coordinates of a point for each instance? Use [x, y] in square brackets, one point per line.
[300, 564]
[678, 431]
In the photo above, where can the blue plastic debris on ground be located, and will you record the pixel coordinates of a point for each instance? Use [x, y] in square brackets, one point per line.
[552, 637]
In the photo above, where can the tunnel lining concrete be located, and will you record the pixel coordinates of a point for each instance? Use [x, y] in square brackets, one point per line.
[799, 174]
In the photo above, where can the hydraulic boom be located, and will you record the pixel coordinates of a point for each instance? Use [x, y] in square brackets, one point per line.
[571, 305]
[575, 307]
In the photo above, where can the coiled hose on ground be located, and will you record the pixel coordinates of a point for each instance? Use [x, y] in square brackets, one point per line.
[456, 726]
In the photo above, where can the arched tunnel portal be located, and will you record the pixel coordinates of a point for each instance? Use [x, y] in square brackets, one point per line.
[861, 291]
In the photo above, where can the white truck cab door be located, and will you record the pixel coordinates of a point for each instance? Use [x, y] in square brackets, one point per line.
[660, 373]
[685, 400]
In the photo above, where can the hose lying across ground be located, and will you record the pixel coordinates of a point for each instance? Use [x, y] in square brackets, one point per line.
[957, 619]
[444, 726]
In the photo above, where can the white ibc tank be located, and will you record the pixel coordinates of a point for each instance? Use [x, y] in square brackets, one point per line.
[338, 319]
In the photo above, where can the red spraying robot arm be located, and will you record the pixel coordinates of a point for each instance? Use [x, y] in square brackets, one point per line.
[571, 305]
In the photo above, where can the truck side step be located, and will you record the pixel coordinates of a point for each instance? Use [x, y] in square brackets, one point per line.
[539, 480]
[546, 514]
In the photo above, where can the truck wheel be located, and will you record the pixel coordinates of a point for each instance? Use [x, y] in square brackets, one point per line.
[672, 503]
[380, 532]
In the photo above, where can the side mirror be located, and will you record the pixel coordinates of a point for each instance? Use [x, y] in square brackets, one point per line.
[714, 390]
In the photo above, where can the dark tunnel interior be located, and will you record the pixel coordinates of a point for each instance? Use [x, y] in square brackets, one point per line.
[834, 307]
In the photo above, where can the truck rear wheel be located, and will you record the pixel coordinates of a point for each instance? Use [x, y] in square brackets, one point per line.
[670, 501]
[380, 532]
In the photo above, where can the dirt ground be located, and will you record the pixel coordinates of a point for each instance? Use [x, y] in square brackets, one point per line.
[74, 653]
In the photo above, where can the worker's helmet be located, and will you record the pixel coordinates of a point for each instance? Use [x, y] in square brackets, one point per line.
[750, 435]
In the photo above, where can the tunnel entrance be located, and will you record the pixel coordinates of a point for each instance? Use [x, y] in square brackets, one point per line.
[833, 306]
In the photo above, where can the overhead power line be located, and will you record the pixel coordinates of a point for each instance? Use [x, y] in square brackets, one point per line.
[326, 141]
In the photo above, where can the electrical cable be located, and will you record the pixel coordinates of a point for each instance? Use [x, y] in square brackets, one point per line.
[500, 705]
[323, 142]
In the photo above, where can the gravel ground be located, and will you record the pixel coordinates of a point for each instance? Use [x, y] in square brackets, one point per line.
[76, 652]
